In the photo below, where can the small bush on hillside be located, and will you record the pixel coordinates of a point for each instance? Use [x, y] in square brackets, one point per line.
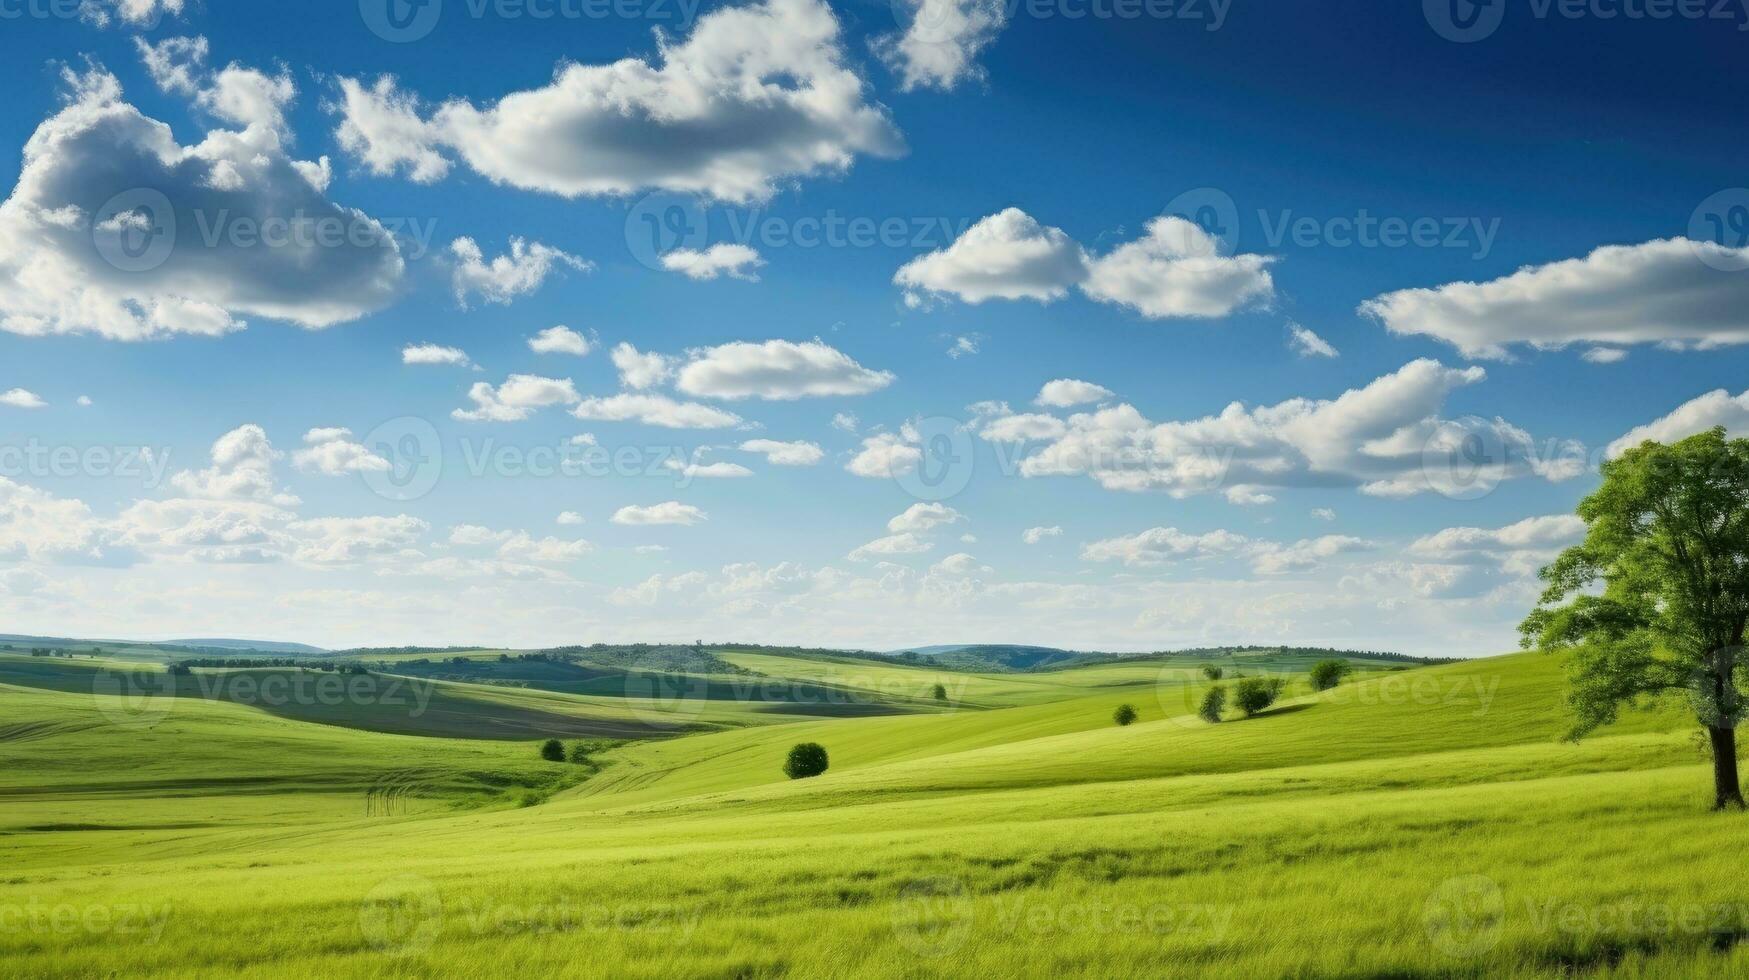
[940, 692]
[178, 670]
[1214, 701]
[1253, 694]
[1125, 714]
[1212, 672]
[805, 759]
[1326, 674]
[553, 750]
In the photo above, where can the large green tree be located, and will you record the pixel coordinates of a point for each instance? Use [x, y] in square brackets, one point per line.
[1656, 598]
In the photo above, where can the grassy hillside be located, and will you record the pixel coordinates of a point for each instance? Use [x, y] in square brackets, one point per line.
[1423, 822]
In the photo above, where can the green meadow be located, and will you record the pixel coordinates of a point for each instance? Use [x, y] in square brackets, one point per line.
[1413, 821]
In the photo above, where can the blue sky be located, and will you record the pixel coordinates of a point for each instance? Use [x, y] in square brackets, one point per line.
[1154, 205]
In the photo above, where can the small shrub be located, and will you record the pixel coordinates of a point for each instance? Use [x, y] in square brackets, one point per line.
[940, 692]
[1125, 714]
[553, 750]
[1326, 674]
[805, 759]
[1214, 701]
[178, 670]
[1212, 672]
[1253, 694]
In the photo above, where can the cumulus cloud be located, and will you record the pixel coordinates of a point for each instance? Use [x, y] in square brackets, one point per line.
[433, 354]
[521, 270]
[756, 95]
[939, 46]
[1604, 355]
[658, 410]
[559, 340]
[671, 512]
[1158, 545]
[904, 543]
[1034, 535]
[1277, 559]
[639, 370]
[242, 469]
[1067, 392]
[776, 370]
[919, 518]
[695, 469]
[1008, 255]
[1174, 270]
[722, 259]
[175, 64]
[333, 452]
[570, 517]
[1540, 534]
[22, 398]
[520, 546]
[1386, 438]
[778, 453]
[1715, 408]
[1668, 291]
[515, 399]
[116, 229]
[885, 455]
[1302, 341]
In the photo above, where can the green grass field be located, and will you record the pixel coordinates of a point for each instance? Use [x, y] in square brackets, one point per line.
[1411, 822]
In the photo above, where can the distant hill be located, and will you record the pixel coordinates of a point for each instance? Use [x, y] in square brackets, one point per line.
[1002, 656]
[265, 646]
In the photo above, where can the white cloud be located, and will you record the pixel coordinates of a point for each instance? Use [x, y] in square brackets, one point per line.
[101, 173]
[333, 452]
[520, 546]
[671, 512]
[1323, 513]
[242, 469]
[21, 398]
[1384, 438]
[1278, 559]
[778, 453]
[1604, 355]
[941, 41]
[1008, 255]
[433, 354]
[959, 563]
[247, 97]
[921, 518]
[963, 347]
[1034, 535]
[570, 517]
[1669, 291]
[176, 64]
[722, 259]
[1176, 271]
[515, 399]
[885, 455]
[776, 370]
[639, 370]
[1064, 392]
[1715, 408]
[844, 422]
[522, 270]
[698, 470]
[904, 543]
[1158, 545]
[83, 401]
[559, 340]
[1246, 496]
[658, 410]
[1023, 428]
[755, 95]
[1304, 342]
[1540, 534]
[136, 13]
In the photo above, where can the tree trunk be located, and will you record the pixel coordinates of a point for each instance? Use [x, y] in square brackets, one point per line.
[1726, 792]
